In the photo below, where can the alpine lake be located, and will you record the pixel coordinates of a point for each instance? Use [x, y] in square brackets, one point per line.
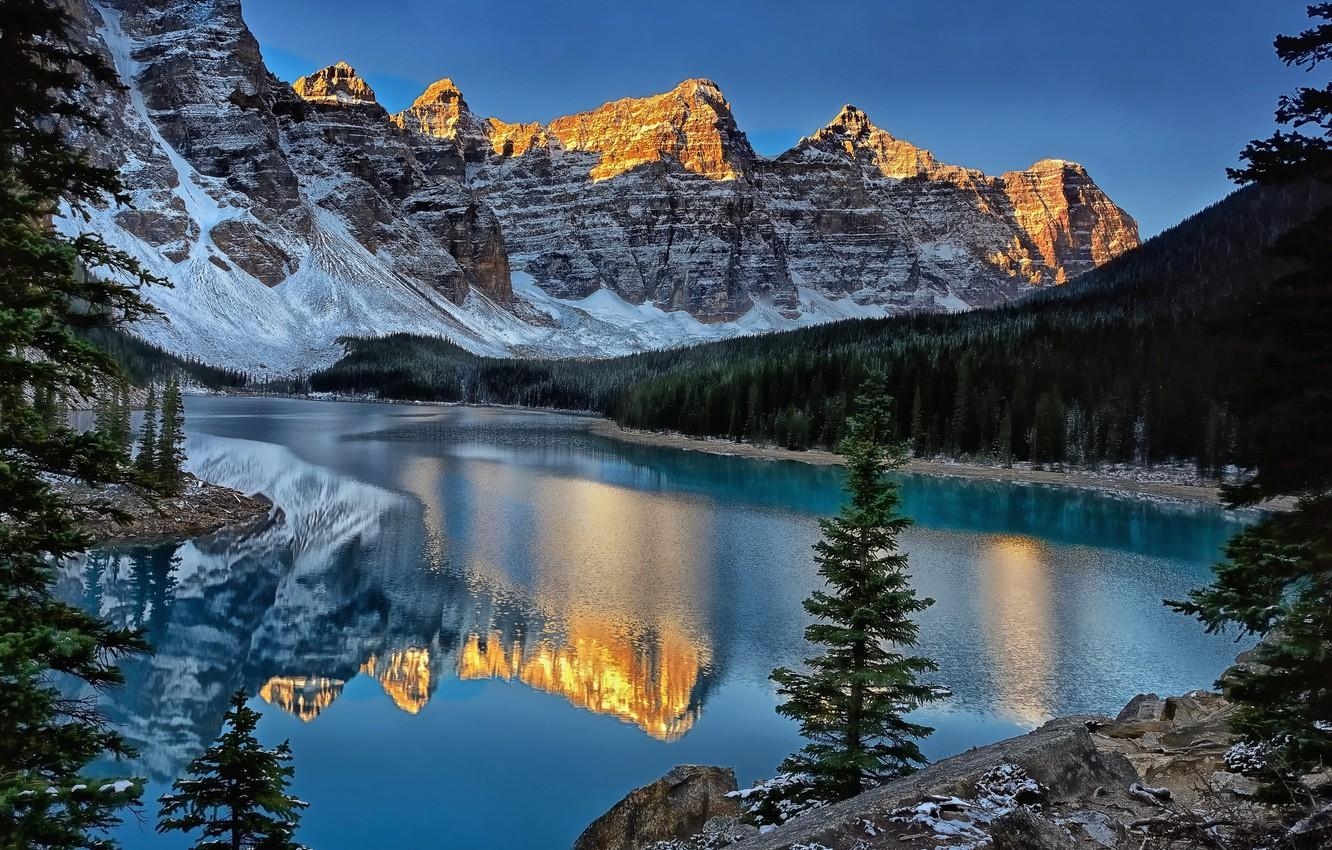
[481, 627]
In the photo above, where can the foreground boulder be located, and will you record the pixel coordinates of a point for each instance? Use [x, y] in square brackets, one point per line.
[956, 802]
[1023, 829]
[677, 806]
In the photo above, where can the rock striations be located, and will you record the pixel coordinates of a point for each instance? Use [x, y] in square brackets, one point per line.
[289, 215]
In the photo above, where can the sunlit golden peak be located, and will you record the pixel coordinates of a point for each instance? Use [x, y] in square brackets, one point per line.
[852, 120]
[442, 91]
[1056, 166]
[693, 84]
[337, 84]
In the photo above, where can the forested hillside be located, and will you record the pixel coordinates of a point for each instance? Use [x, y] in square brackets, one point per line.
[143, 363]
[1136, 361]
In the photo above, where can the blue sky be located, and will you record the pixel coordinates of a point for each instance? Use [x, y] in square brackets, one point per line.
[1155, 97]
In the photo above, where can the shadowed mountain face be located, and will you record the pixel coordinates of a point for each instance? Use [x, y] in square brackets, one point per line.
[288, 215]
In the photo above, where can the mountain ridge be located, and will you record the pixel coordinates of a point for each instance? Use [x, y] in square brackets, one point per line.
[290, 215]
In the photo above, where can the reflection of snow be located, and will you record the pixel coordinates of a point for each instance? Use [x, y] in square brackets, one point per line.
[321, 511]
[210, 602]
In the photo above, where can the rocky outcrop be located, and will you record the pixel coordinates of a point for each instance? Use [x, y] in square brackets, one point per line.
[674, 807]
[1077, 783]
[199, 508]
[1024, 829]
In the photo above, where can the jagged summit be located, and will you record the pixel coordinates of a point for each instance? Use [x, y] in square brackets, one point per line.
[441, 112]
[852, 120]
[691, 125]
[852, 134]
[338, 84]
[441, 91]
[291, 227]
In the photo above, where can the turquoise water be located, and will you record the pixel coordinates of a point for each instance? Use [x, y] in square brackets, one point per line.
[479, 628]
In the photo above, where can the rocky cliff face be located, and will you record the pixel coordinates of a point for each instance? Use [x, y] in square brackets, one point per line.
[662, 200]
[288, 215]
[284, 217]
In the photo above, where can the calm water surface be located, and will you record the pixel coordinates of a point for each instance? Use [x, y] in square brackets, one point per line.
[479, 628]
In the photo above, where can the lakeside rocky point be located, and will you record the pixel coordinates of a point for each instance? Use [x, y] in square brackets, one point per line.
[1083, 782]
[200, 507]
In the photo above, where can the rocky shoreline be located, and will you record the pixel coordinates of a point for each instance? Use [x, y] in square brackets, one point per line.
[1076, 783]
[200, 508]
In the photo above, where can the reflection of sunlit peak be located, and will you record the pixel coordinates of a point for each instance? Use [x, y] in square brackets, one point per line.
[303, 696]
[404, 676]
[649, 683]
[1015, 551]
[1017, 607]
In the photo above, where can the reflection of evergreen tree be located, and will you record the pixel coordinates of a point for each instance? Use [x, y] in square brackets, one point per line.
[92, 582]
[152, 572]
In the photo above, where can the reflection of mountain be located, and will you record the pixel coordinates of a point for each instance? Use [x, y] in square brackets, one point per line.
[303, 696]
[344, 580]
[404, 675]
[650, 683]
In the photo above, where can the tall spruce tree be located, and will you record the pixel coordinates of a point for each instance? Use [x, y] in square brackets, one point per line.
[171, 440]
[236, 794]
[52, 287]
[852, 701]
[113, 414]
[145, 462]
[1277, 578]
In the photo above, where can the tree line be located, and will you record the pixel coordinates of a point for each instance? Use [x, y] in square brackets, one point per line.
[1137, 362]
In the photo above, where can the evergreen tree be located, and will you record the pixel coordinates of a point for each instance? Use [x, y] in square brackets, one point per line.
[48, 407]
[917, 424]
[851, 704]
[171, 440]
[1277, 579]
[113, 414]
[52, 290]
[146, 460]
[1006, 439]
[123, 433]
[236, 794]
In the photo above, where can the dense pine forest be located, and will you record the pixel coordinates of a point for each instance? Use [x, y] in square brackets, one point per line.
[143, 363]
[1137, 361]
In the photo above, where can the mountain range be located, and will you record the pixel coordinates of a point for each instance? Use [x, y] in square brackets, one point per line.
[287, 216]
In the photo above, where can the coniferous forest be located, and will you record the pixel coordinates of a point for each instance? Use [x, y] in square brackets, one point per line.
[1138, 361]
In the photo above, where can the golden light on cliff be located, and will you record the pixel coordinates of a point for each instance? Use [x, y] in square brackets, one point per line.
[647, 682]
[303, 696]
[1016, 600]
[404, 675]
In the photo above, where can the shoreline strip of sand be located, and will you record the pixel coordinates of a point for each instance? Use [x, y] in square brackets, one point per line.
[1086, 480]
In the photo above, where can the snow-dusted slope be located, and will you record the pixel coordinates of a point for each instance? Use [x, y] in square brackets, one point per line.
[287, 217]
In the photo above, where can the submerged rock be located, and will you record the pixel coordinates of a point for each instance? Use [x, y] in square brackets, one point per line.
[677, 806]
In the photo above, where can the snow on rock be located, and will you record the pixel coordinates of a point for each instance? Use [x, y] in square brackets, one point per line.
[287, 217]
